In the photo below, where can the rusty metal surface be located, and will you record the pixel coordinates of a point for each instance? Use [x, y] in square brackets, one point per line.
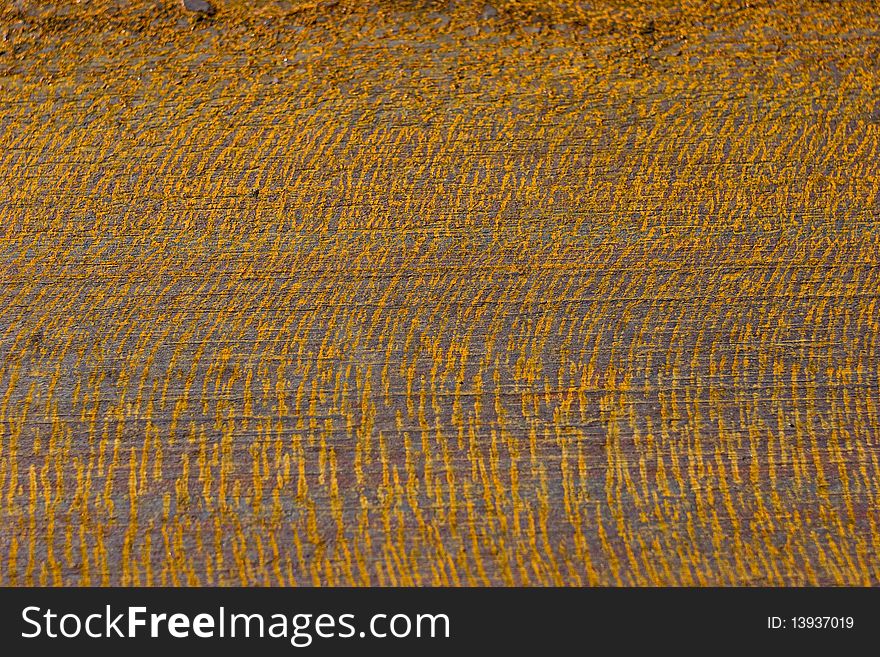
[439, 293]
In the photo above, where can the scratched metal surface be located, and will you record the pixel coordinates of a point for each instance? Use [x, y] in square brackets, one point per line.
[439, 293]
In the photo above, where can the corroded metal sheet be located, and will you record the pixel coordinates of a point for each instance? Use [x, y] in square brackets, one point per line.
[439, 293]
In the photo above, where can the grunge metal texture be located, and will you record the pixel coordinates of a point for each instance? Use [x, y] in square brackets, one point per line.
[440, 293]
